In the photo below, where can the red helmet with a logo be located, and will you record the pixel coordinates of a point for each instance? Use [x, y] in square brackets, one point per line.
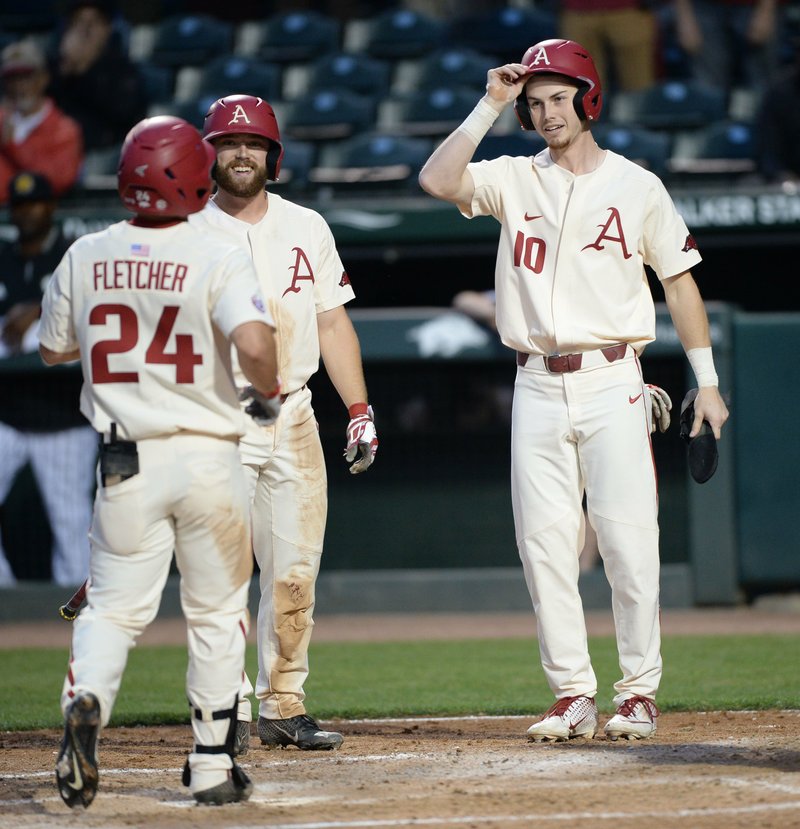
[165, 168]
[246, 114]
[563, 57]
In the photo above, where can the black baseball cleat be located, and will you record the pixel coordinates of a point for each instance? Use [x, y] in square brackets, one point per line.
[301, 731]
[236, 788]
[76, 767]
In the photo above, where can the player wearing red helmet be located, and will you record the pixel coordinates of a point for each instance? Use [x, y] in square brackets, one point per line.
[307, 288]
[151, 307]
[578, 226]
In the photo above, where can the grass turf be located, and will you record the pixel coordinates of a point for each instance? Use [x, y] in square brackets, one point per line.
[393, 679]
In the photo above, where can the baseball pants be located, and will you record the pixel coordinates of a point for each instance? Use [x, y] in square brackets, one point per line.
[588, 429]
[63, 465]
[189, 496]
[285, 469]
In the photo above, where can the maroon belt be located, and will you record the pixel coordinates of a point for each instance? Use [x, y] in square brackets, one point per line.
[565, 363]
[284, 396]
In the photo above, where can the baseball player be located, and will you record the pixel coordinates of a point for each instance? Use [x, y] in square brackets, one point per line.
[306, 286]
[578, 225]
[150, 307]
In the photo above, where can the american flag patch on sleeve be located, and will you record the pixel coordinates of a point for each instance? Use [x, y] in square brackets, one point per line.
[140, 250]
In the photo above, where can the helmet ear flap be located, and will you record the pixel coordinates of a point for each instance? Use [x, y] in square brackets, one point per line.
[523, 111]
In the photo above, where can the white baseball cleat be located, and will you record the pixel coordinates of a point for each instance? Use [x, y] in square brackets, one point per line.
[635, 720]
[569, 717]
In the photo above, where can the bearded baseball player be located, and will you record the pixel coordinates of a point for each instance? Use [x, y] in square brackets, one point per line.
[150, 307]
[306, 287]
[578, 225]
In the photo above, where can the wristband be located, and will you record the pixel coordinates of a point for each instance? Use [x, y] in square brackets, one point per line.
[702, 363]
[358, 409]
[479, 121]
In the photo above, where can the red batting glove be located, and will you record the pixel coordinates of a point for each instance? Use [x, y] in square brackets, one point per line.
[362, 439]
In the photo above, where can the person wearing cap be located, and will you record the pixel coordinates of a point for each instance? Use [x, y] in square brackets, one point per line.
[92, 78]
[40, 422]
[579, 226]
[35, 134]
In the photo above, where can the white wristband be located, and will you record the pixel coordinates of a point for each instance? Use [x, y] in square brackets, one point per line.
[479, 121]
[702, 363]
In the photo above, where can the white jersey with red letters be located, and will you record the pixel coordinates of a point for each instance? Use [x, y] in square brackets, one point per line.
[168, 299]
[300, 272]
[570, 265]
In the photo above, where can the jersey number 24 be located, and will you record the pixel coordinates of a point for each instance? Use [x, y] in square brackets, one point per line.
[183, 357]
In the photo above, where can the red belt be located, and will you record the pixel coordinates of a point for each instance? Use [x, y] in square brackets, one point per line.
[565, 363]
[288, 393]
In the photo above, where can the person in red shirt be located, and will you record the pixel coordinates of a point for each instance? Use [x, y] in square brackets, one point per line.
[35, 135]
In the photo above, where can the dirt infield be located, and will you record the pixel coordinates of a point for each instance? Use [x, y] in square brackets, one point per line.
[700, 771]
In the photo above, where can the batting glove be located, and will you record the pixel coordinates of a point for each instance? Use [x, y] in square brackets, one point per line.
[362, 439]
[264, 409]
[662, 405]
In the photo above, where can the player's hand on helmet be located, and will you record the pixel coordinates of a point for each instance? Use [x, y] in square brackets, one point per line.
[263, 408]
[362, 439]
[504, 83]
[661, 406]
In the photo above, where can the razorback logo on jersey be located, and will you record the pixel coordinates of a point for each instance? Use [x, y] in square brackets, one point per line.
[345, 280]
[690, 244]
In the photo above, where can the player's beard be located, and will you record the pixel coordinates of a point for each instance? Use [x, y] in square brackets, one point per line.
[243, 189]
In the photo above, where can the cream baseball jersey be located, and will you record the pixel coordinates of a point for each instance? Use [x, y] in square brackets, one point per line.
[570, 270]
[151, 310]
[300, 273]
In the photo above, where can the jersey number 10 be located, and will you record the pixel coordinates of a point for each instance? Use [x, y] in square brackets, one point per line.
[183, 357]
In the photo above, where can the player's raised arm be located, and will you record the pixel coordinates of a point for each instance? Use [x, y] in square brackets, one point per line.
[445, 175]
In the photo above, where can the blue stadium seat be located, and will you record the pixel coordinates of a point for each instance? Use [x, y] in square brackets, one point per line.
[722, 150]
[506, 32]
[670, 105]
[494, 145]
[455, 65]
[648, 148]
[433, 112]
[373, 161]
[396, 34]
[231, 74]
[295, 37]
[328, 115]
[355, 72]
[190, 40]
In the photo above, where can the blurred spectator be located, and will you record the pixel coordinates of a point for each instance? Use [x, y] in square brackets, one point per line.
[731, 43]
[621, 35]
[40, 422]
[34, 133]
[93, 79]
[778, 119]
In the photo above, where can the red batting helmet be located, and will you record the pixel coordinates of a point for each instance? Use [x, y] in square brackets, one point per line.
[165, 168]
[563, 57]
[246, 114]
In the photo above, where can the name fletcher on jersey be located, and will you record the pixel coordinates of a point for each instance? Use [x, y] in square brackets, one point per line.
[136, 274]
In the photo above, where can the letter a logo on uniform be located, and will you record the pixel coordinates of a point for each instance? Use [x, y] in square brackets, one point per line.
[540, 57]
[239, 113]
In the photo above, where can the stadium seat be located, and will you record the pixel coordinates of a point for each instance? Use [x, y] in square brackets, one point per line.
[670, 105]
[454, 65]
[506, 32]
[328, 114]
[298, 159]
[231, 74]
[192, 110]
[159, 81]
[494, 145]
[648, 148]
[292, 37]
[190, 40]
[373, 161]
[395, 34]
[355, 72]
[433, 112]
[720, 150]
